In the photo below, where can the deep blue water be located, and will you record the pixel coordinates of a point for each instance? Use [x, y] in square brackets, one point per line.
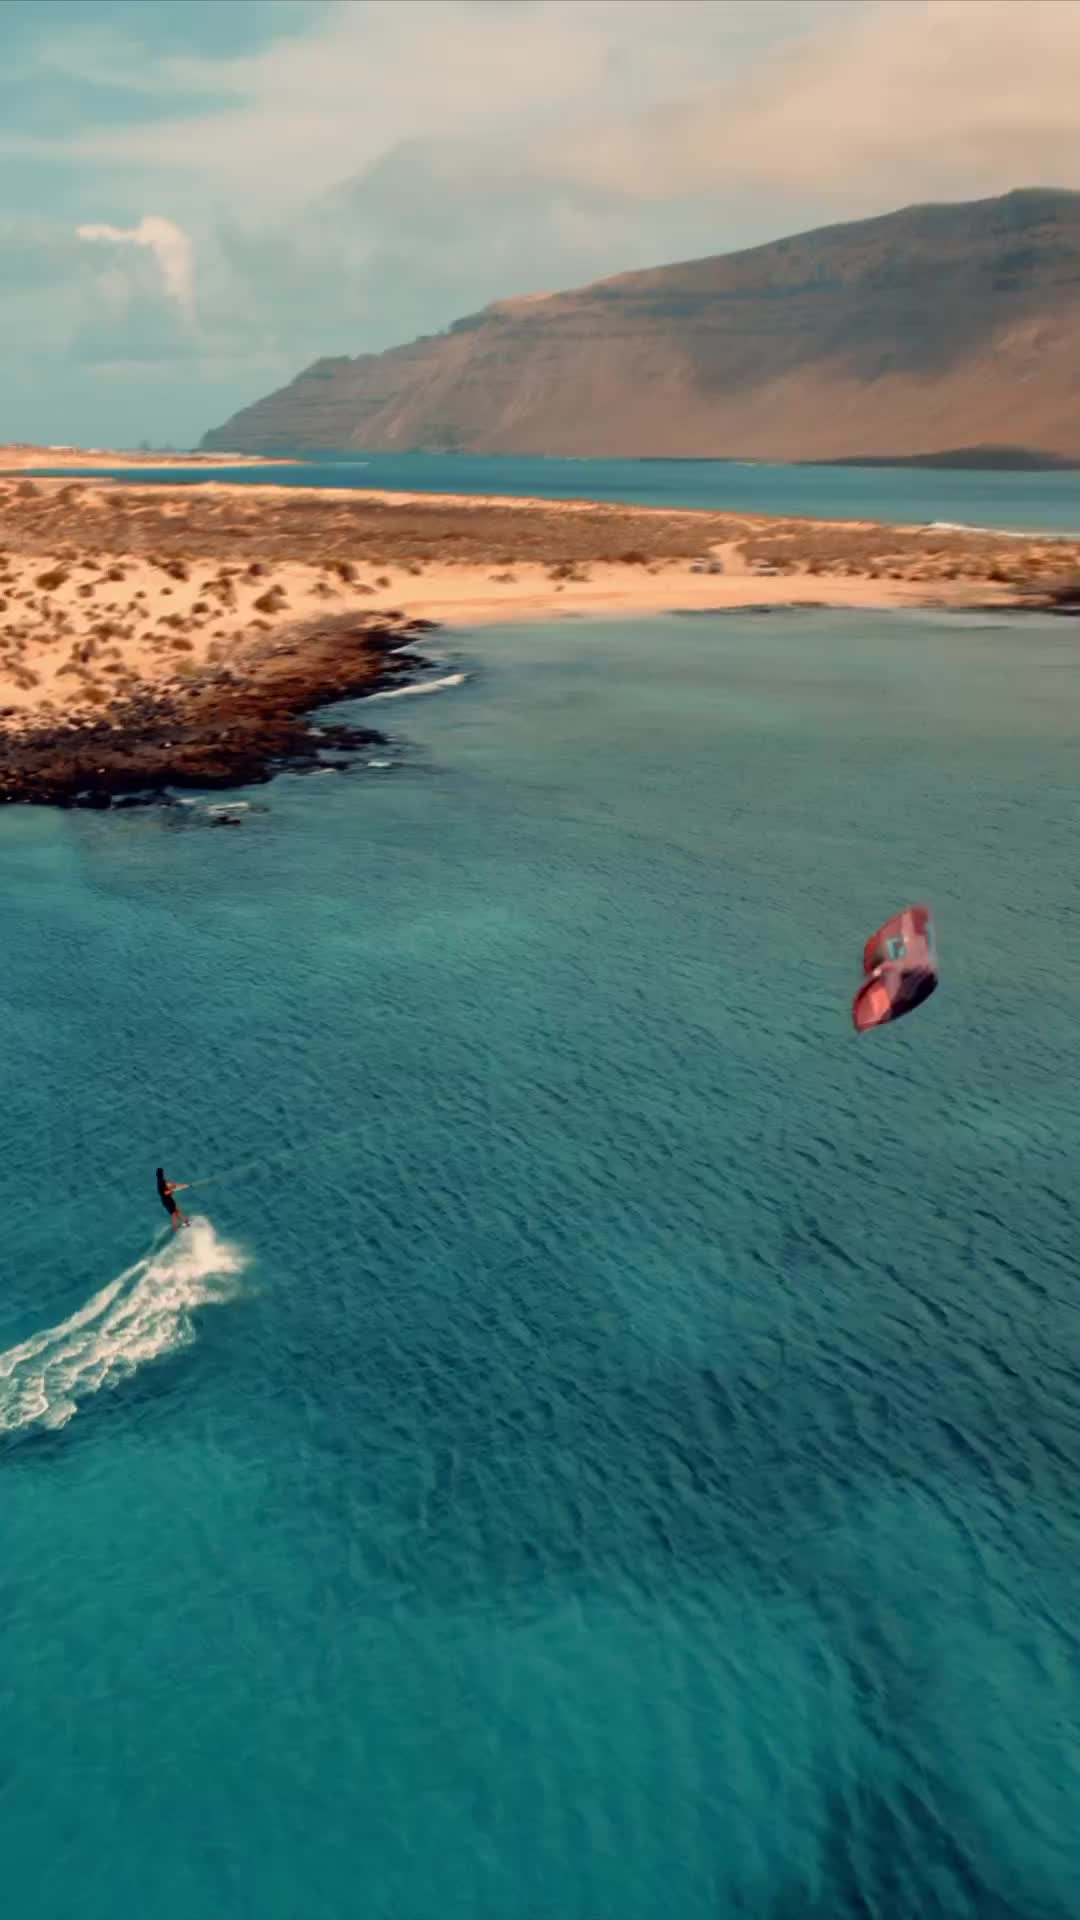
[1048, 502]
[609, 1444]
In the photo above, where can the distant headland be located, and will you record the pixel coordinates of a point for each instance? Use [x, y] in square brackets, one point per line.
[903, 338]
[19, 456]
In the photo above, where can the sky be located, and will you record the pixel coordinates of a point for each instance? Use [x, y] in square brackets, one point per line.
[199, 199]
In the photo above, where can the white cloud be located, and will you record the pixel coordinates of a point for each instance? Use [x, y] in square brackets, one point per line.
[877, 107]
[290, 120]
[171, 247]
[486, 149]
[390, 167]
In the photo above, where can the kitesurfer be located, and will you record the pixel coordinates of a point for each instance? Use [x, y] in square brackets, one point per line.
[166, 1189]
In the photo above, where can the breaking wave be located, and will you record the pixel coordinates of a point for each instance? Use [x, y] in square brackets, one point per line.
[423, 686]
[145, 1313]
[999, 533]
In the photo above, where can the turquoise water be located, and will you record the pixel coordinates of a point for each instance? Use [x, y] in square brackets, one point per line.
[1047, 502]
[609, 1444]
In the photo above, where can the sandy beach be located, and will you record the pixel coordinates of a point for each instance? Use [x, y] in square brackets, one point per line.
[113, 595]
[15, 457]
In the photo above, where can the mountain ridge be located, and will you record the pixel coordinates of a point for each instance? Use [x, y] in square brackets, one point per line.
[939, 327]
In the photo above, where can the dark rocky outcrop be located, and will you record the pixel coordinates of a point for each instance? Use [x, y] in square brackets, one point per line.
[219, 729]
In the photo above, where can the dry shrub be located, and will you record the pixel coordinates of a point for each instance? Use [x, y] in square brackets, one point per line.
[52, 578]
[181, 645]
[272, 601]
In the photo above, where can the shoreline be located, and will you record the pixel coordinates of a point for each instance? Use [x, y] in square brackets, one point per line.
[218, 728]
[46, 461]
[154, 637]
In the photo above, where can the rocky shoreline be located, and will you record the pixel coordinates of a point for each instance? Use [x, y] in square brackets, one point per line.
[157, 639]
[224, 727]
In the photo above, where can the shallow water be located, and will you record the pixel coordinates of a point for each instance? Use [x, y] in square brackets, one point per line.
[1040, 502]
[609, 1444]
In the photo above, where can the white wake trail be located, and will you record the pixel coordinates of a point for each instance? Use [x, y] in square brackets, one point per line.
[141, 1315]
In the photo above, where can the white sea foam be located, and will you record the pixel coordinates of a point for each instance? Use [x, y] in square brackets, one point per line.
[999, 533]
[423, 686]
[144, 1313]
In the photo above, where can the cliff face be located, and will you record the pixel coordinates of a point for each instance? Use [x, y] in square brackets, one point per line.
[933, 328]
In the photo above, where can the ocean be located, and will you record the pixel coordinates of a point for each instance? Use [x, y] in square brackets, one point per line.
[609, 1441]
[1011, 502]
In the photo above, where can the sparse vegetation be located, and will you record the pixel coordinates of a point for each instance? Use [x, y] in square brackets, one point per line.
[230, 542]
[272, 601]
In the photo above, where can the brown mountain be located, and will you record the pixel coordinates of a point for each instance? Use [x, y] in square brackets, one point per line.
[935, 328]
